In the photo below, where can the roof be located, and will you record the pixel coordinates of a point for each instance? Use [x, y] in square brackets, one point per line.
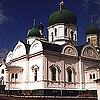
[79, 49]
[52, 47]
[27, 46]
[46, 46]
[64, 16]
[34, 32]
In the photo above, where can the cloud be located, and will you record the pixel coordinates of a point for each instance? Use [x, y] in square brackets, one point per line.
[97, 2]
[3, 53]
[91, 2]
[92, 6]
[3, 17]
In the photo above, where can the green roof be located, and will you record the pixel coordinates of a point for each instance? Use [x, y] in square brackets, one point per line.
[64, 16]
[34, 32]
[92, 29]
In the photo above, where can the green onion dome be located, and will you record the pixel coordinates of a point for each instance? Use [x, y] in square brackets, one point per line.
[64, 16]
[92, 29]
[34, 32]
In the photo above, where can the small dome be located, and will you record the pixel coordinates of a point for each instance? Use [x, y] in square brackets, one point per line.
[92, 29]
[34, 32]
[64, 16]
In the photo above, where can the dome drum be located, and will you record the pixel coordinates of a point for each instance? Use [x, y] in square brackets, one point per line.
[92, 29]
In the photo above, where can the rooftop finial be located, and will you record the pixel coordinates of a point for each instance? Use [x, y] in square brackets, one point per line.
[61, 5]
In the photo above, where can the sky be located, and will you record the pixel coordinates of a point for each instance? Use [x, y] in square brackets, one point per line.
[17, 16]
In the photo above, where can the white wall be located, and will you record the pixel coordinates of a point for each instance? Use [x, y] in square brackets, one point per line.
[9, 56]
[35, 47]
[19, 50]
[60, 32]
[90, 83]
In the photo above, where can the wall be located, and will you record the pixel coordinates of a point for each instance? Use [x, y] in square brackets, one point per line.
[63, 63]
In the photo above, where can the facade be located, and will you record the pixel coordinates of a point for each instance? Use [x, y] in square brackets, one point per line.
[54, 63]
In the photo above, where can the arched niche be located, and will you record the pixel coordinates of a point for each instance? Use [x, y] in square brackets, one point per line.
[19, 50]
[89, 51]
[36, 47]
[70, 50]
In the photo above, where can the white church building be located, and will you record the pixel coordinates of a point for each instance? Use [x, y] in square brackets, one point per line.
[56, 62]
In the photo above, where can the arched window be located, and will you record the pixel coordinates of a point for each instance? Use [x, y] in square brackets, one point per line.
[88, 40]
[59, 71]
[71, 35]
[75, 37]
[90, 76]
[55, 32]
[35, 69]
[1, 80]
[12, 75]
[16, 76]
[52, 36]
[69, 72]
[93, 76]
[66, 31]
[53, 73]
[2, 71]
[35, 75]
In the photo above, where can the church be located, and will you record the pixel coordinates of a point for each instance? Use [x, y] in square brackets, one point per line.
[56, 62]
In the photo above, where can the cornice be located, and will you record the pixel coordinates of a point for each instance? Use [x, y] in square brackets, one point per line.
[27, 57]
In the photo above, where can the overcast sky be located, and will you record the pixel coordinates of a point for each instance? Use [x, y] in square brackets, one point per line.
[17, 16]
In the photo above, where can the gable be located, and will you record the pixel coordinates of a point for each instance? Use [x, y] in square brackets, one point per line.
[19, 50]
[70, 50]
[9, 56]
[36, 47]
[89, 52]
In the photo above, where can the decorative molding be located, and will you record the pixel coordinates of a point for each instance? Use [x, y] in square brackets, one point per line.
[25, 56]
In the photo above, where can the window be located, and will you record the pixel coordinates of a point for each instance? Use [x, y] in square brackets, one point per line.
[88, 40]
[52, 36]
[93, 76]
[16, 76]
[71, 35]
[35, 75]
[65, 31]
[35, 69]
[12, 76]
[0, 65]
[53, 73]
[90, 76]
[93, 41]
[55, 32]
[59, 71]
[28, 42]
[2, 71]
[2, 80]
[75, 37]
[69, 72]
